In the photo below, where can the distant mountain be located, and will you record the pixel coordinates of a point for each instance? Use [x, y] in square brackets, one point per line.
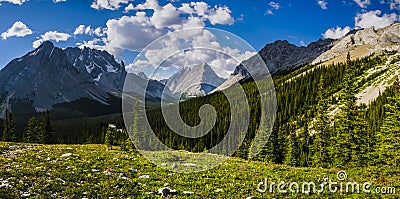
[100, 66]
[363, 42]
[198, 80]
[50, 75]
[282, 57]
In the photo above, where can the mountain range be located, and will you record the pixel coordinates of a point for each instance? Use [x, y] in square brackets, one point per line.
[48, 75]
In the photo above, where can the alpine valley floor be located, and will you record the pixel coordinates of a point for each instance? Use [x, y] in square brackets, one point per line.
[95, 171]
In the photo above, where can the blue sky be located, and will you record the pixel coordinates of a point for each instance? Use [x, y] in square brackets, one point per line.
[25, 24]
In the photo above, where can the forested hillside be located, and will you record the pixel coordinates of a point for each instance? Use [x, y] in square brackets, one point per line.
[319, 121]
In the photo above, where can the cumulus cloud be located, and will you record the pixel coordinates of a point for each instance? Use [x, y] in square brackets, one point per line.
[137, 31]
[58, 1]
[87, 30]
[362, 3]
[79, 30]
[274, 5]
[200, 45]
[152, 20]
[17, 2]
[323, 4]
[373, 18]
[51, 35]
[94, 44]
[220, 15]
[336, 33]
[108, 4]
[18, 29]
[131, 33]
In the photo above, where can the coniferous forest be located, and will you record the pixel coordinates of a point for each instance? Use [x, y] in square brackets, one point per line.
[318, 120]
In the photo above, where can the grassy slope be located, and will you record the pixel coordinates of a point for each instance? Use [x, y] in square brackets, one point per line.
[42, 172]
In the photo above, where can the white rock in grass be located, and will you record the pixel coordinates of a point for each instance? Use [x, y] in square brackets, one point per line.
[66, 155]
[167, 191]
[133, 169]
[25, 195]
[190, 165]
[144, 176]
[174, 166]
[164, 164]
[219, 190]
[188, 193]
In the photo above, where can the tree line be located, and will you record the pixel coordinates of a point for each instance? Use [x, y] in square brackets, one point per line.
[38, 129]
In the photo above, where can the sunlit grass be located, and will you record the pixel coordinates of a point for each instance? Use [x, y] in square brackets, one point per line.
[94, 171]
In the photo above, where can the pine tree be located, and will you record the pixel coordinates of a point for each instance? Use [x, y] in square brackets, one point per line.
[348, 58]
[30, 135]
[109, 139]
[321, 129]
[9, 127]
[292, 150]
[304, 143]
[47, 131]
[388, 137]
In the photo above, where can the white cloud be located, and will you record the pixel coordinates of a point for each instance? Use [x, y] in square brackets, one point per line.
[79, 30]
[169, 15]
[165, 16]
[18, 29]
[372, 18]
[58, 1]
[274, 5]
[129, 8]
[136, 31]
[195, 40]
[221, 15]
[94, 44]
[363, 3]
[269, 12]
[51, 35]
[131, 33]
[336, 33]
[323, 4]
[18, 2]
[87, 30]
[108, 4]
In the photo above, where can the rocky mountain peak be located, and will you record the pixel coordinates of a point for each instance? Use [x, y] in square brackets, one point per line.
[196, 80]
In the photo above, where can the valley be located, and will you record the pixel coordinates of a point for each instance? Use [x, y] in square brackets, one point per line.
[94, 171]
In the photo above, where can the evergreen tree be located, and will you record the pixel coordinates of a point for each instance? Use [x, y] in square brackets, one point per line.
[47, 131]
[348, 58]
[292, 150]
[9, 127]
[30, 135]
[109, 139]
[304, 143]
[321, 130]
[387, 149]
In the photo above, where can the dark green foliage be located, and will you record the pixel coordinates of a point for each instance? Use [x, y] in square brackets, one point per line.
[321, 130]
[304, 133]
[9, 134]
[318, 122]
[388, 139]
